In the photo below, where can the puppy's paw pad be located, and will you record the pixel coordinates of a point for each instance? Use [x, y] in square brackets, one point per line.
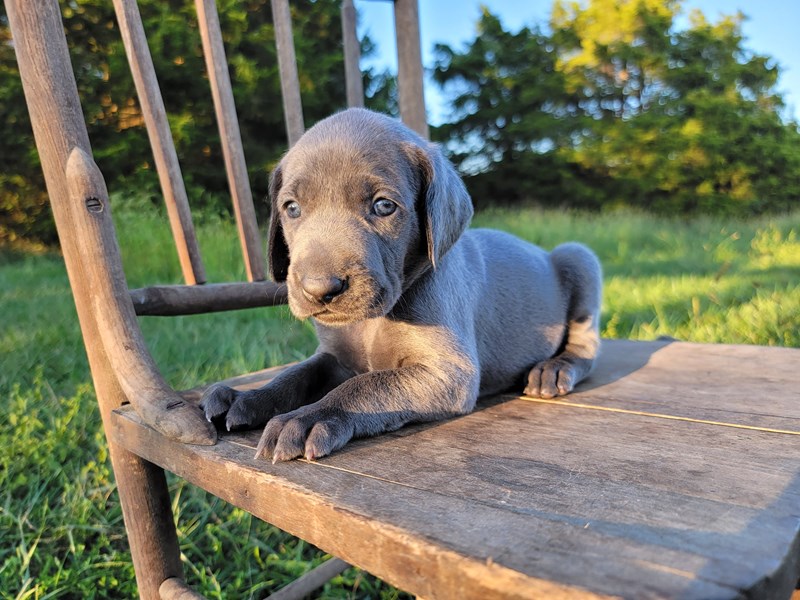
[566, 382]
[269, 438]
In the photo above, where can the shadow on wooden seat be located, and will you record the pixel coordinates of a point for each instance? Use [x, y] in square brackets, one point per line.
[628, 358]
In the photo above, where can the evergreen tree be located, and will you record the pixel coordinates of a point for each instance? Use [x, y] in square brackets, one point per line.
[111, 108]
[616, 106]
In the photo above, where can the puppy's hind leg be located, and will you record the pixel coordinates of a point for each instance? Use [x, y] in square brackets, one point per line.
[580, 276]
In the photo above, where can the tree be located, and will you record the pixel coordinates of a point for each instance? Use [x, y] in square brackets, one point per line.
[23, 203]
[700, 109]
[615, 105]
[112, 113]
[509, 112]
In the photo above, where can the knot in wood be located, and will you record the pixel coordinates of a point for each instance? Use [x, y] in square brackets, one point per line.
[94, 205]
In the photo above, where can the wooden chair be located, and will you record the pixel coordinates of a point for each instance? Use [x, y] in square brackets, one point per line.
[674, 471]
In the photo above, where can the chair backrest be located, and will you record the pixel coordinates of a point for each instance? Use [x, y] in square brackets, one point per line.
[171, 300]
[122, 367]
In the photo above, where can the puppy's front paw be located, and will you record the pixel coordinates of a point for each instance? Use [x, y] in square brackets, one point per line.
[240, 410]
[217, 401]
[311, 431]
[551, 378]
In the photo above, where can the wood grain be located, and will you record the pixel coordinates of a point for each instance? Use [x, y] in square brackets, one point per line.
[175, 589]
[171, 300]
[409, 67]
[521, 500]
[119, 332]
[287, 64]
[697, 381]
[231, 139]
[161, 143]
[352, 56]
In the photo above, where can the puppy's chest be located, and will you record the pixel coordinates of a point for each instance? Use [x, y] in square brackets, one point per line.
[365, 348]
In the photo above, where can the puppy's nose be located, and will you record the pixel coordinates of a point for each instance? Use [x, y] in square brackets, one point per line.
[322, 289]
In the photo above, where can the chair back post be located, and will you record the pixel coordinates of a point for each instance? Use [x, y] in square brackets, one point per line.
[352, 56]
[231, 139]
[59, 130]
[161, 142]
[287, 65]
[58, 127]
[409, 66]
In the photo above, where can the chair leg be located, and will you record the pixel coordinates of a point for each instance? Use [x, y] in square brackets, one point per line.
[149, 521]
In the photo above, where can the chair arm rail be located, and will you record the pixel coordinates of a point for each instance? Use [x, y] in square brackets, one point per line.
[123, 344]
[172, 300]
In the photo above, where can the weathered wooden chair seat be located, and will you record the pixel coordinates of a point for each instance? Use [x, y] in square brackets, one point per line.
[673, 471]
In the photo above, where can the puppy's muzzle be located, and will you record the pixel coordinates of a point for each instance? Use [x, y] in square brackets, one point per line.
[322, 289]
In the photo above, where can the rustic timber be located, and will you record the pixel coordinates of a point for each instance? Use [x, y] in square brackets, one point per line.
[692, 388]
[175, 589]
[409, 67]
[287, 63]
[172, 300]
[311, 581]
[119, 332]
[166, 159]
[523, 499]
[231, 139]
[352, 56]
[52, 98]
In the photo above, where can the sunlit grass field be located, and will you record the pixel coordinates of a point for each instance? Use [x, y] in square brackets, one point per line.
[61, 532]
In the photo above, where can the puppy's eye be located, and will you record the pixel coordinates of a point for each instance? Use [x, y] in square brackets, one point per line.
[383, 207]
[292, 209]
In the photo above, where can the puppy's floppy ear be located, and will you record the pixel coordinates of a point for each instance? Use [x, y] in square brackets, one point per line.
[277, 249]
[446, 208]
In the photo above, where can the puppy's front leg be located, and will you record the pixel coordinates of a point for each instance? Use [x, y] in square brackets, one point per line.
[300, 384]
[365, 405]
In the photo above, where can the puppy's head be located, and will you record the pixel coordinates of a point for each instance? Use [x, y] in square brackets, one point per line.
[361, 206]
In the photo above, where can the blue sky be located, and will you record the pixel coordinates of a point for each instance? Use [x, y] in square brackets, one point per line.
[771, 28]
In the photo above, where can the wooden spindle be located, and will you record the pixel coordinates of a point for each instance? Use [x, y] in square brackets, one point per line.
[166, 159]
[352, 56]
[409, 66]
[287, 64]
[231, 139]
[308, 583]
[171, 300]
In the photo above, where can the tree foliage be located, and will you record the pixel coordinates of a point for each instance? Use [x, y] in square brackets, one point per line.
[626, 109]
[611, 104]
[507, 95]
[112, 113]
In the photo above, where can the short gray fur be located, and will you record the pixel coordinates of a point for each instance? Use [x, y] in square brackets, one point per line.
[416, 316]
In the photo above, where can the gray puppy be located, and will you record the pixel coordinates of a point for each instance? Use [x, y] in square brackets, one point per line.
[416, 316]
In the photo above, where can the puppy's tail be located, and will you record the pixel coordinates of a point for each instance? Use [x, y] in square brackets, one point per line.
[581, 278]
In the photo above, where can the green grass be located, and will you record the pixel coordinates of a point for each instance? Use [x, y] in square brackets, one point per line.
[61, 533]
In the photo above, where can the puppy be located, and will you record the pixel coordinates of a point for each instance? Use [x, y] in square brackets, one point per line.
[416, 316]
